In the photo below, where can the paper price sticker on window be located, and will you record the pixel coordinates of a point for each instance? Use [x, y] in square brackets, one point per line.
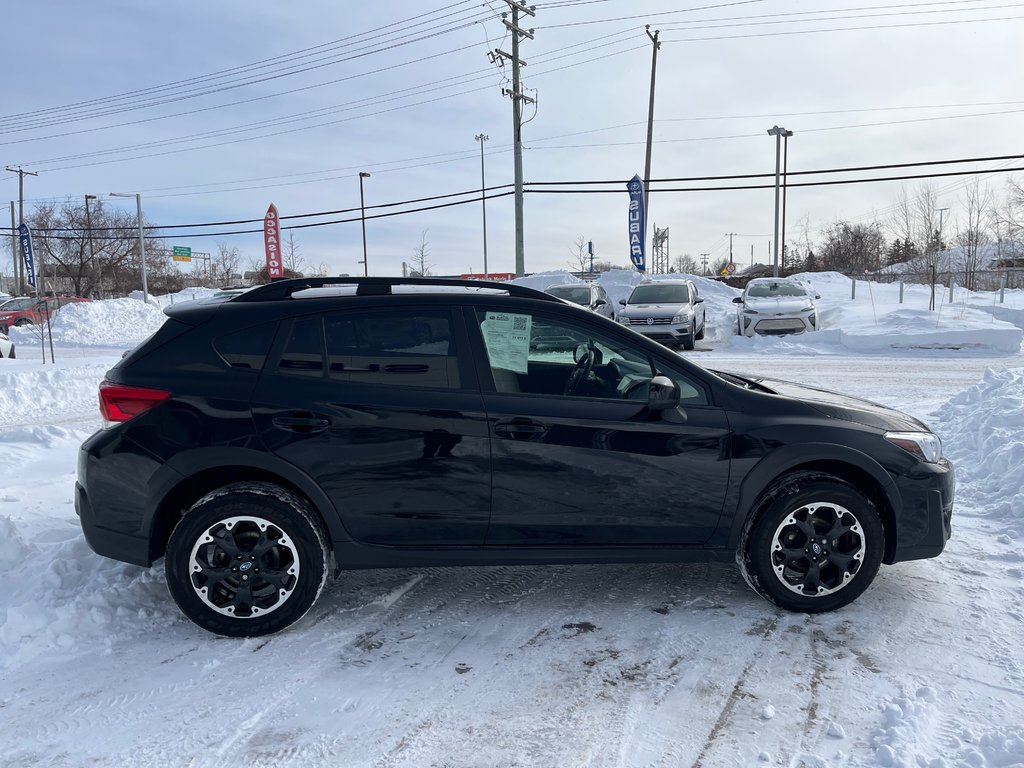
[507, 337]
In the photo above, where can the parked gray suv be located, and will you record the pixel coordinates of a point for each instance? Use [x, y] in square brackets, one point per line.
[667, 311]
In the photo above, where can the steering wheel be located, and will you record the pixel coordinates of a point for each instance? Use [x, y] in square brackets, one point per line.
[582, 370]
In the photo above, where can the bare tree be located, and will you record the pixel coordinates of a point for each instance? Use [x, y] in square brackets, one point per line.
[579, 260]
[421, 265]
[293, 262]
[686, 264]
[224, 263]
[852, 248]
[71, 260]
[929, 237]
[976, 203]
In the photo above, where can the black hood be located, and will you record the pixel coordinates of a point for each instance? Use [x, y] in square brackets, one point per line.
[838, 406]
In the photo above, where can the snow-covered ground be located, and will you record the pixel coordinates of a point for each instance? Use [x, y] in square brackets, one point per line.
[623, 665]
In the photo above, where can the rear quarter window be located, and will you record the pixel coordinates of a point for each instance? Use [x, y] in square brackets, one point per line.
[248, 348]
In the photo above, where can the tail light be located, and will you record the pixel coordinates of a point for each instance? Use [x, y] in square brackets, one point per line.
[121, 403]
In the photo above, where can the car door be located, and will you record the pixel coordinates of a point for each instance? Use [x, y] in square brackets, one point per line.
[380, 410]
[589, 464]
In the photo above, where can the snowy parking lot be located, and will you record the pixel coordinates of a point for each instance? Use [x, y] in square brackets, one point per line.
[596, 665]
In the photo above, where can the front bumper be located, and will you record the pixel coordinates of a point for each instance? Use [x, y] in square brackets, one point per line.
[925, 521]
[661, 329]
[764, 324]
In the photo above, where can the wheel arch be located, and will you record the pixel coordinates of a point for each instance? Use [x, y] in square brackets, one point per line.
[852, 467]
[206, 470]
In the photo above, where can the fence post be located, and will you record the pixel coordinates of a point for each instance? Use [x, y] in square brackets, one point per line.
[901, 291]
[952, 285]
[1002, 288]
[853, 290]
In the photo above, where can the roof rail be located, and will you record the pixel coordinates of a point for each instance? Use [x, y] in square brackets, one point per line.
[380, 286]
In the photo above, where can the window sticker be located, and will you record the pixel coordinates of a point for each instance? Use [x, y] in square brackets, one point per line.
[507, 337]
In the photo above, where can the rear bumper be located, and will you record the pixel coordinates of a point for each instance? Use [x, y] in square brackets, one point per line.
[113, 544]
[925, 523]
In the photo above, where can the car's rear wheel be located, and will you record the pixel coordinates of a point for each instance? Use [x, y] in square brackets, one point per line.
[21, 321]
[248, 559]
[813, 544]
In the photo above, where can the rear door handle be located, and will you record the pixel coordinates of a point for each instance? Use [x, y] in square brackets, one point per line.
[519, 429]
[303, 424]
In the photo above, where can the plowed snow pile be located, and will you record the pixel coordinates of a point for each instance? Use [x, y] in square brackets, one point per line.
[108, 323]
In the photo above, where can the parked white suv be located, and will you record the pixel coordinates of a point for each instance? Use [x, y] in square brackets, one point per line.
[667, 311]
[773, 305]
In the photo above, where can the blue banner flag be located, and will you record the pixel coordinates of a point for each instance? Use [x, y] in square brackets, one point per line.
[637, 223]
[25, 236]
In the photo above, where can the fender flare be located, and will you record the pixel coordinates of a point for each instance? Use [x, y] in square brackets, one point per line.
[789, 457]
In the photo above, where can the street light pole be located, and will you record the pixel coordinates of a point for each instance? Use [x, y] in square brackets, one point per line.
[92, 251]
[362, 217]
[778, 133]
[483, 195]
[785, 188]
[142, 239]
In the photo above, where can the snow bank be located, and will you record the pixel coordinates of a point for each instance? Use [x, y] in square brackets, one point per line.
[106, 323]
[982, 430]
[46, 395]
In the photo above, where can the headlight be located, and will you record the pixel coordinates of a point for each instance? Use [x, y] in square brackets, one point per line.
[749, 311]
[623, 319]
[683, 317]
[808, 308]
[924, 445]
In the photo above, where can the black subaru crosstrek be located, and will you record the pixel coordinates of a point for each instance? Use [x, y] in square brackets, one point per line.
[392, 422]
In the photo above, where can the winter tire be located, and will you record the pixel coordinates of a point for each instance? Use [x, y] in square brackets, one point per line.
[700, 333]
[246, 560]
[813, 543]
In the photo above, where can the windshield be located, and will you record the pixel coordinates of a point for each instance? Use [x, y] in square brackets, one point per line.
[653, 293]
[766, 290]
[578, 294]
[16, 304]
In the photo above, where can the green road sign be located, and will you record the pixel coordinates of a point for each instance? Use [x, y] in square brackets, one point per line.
[181, 253]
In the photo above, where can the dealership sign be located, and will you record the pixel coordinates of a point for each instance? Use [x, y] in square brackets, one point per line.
[272, 243]
[25, 238]
[637, 224]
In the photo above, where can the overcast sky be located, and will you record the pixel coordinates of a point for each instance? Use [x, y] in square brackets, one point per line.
[400, 89]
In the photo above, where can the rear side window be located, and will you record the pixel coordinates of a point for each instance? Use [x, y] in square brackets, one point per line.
[303, 351]
[248, 348]
[411, 348]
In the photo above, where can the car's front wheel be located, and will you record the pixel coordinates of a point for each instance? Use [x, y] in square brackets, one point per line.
[813, 544]
[248, 559]
[688, 341]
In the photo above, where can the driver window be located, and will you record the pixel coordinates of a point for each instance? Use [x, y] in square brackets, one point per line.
[533, 354]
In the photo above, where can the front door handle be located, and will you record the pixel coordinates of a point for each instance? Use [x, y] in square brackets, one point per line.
[304, 424]
[519, 429]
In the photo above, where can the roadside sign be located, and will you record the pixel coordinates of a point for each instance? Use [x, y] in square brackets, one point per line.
[181, 253]
[730, 268]
[25, 238]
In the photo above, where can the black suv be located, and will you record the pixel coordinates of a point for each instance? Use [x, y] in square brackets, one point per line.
[392, 422]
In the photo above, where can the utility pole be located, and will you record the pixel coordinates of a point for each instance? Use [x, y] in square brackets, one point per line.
[650, 125]
[704, 261]
[730, 246]
[21, 213]
[483, 194]
[92, 251]
[518, 98]
[941, 212]
[785, 186]
[362, 218]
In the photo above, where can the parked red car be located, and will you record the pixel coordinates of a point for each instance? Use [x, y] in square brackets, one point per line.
[26, 310]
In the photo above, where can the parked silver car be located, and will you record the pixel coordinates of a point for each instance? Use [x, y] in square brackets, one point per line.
[668, 311]
[773, 306]
[6, 346]
[590, 295]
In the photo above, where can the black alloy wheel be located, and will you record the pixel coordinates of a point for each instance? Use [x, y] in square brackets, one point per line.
[247, 560]
[814, 544]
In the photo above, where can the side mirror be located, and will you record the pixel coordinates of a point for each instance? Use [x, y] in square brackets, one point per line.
[817, 296]
[699, 300]
[662, 394]
[622, 302]
[738, 300]
[600, 303]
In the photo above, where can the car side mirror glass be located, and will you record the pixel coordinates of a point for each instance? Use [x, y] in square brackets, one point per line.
[662, 394]
[622, 302]
[600, 303]
[738, 300]
[699, 300]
